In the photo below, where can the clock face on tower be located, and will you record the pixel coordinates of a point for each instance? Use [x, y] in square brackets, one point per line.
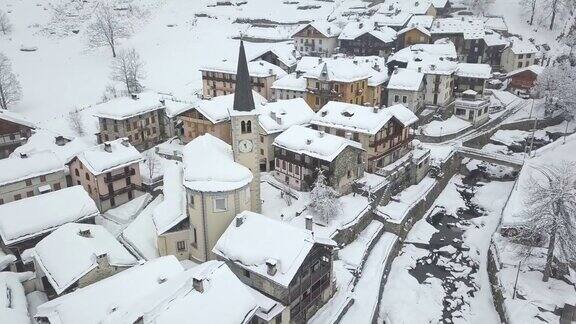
[245, 146]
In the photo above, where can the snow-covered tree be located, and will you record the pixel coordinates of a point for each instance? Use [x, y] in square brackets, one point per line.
[324, 201]
[107, 28]
[556, 84]
[529, 8]
[152, 163]
[10, 91]
[5, 25]
[550, 210]
[479, 7]
[75, 122]
[128, 68]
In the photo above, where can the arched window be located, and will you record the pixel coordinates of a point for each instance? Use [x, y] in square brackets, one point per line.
[243, 127]
[249, 127]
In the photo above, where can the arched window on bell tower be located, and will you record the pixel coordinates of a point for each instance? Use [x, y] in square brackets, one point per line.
[243, 127]
[248, 127]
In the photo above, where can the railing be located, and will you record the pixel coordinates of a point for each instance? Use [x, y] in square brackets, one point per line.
[325, 92]
[119, 191]
[119, 176]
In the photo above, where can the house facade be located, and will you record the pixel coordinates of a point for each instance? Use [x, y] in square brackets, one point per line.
[471, 76]
[406, 87]
[519, 54]
[413, 35]
[109, 172]
[365, 39]
[522, 80]
[319, 38]
[14, 130]
[472, 107]
[289, 87]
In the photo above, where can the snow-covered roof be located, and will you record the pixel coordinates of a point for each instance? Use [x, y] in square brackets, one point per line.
[398, 19]
[13, 304]
[474, 70]
[260, 239]
[344, 69]
[15, 118]
[290, 82]
[469, 27]
[421, 29]
[277, 116]
[176, 107]
[496, 23]
[355, 29]
[522, 47]
[536, 69]
[18, 168]
[177, 301]
[361, 119]
[404, 79]
[492, 38]
[45, 140]
[94, 303]
[284, 51]
[439, 4]
[27, 218]
[125, 107]
[424, 21]
[313, 143]
[98, 160]
[257, 69]
[218, 109]
[416, 7]
[426, 52]
[326, 28]
[82, 243]
[172, 209]
[141, 236]
[209, 166]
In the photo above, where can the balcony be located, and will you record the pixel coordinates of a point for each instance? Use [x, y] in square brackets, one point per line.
[120, 176]
[331, 93]
[120, 191]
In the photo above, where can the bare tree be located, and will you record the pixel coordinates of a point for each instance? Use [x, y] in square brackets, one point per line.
[530, 8]
[76, 123]
[107, 28]
[550, 211]
[479, 7]
[10, 90]
[324, 201]
[128, 68]
[5, 25]
[152, 163]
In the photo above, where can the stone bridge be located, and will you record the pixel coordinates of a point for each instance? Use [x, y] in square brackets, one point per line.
[490, 157]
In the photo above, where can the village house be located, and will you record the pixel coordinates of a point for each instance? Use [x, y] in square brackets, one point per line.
[212, 116]
[472, 107]
[287, 263]
[22, 225]
[406, 87]
[519, 54]
[522, 80]
[14, 131]
[30, 174]
[173, 125]
[467, 33]
[442, 7]
[494, 46]
[414, 7]
[281, 54]
[109, 172]
[413, 34]
[318, 38]
[158, 291]
[139, 118]
[303, 152]
[289, 87]
[220, 79]
[384, 133]
[396, 20]
[276, 117]
[366, 39]
[92, 254]
[471, 76]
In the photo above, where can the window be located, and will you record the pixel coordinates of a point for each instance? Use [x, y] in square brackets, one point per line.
[135, 125]
[195, 242]
[261, 139]
[17, 197]
[243, 127]
[87, 176]
[1, 201]
[76, 172]
[289, 167]
[191, 200]
[246, 273]
[249, 127]
[349, 174]
[220, 204]
[153, 119]
[528, 55]
[404, 99]
[519, 64]
[57, 186]
[317, 101]
[181, 246]
[28, 182]
[43, 178]
[261, 151]
[277, 163]
[89, 189]
[521, 56]
[78, 182]
[284, 165]
[29, 193]
[320, 41]
[396, 98]
[247, 195]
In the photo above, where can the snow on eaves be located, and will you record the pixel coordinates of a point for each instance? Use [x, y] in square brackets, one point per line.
[209, 166]
[25, 166]
[98, 160]
[536, 69]
[125, 107]
[424, 21]
[522, 47]
[257, 69]
[469, 27]
[13, 304]
[280, 115]
[27, 218]
[259, 240]
[474, 70]
[362, 119]
[404, 79]
[290, 82]
[316, 144]
[344, 69]
[15, 118]
[355, 29]
[83, 243]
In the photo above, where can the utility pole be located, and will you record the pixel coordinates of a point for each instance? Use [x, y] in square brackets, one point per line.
[532, 139]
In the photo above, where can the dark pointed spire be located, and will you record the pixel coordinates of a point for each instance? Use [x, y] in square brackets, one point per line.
[243, 100]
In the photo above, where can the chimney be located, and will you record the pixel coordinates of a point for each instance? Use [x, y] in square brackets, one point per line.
[438, 24]
[328, 30]
[273, 115]
[375, 109]
[23, 155]
[239, 220]
[163, 101]
[198, 284]
[355, 62]
[102, 260]
[321, 134]
[462, 18]
[108, 147]
[319, 60]
[85, 233]
[308, 141]
[134, 96]
[279, 120]
[433, 67]
[309, 222]
[360, 25]
[271, 266]
[125, 142]
[419, 69]
[162, 279]
[376, 67]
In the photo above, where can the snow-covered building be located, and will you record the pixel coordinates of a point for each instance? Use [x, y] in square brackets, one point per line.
[384, 133]
[395, 20]
[282, 54]
[472, 107]
[466, 32]
[276, 117]
[109, 172]
[139, 118]
[91, 254]
[24, 222]
[472, 76]
[406, 87]
[300, 152]
[366, 39]
[282, 261]
[413, 34]
[414, 7]
[289, 87]
[220, 78]
[494, 46]
[522, 80]
[13, 304]
[519, 54]
[30, 174]
[14, 131]
[318, 38]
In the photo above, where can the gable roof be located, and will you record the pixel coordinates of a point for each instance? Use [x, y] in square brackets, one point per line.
[15, 118]
[290, 82]
[125, 107]
[29, 165]
[404, 79]
[522, 47]
[353, 30]
[536, 69]
[474, 70]
[345, 69]
[260, 239]
[469, 27]
[97, 160]
[277, 116]
[64, 269]
[327, 29]
[412, 27]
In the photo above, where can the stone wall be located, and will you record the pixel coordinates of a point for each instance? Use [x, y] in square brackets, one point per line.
[497, 296]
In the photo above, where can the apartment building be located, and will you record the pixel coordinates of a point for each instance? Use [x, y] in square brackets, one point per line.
[318, 38]
[518, 54]
[14, 130]
[406, 87]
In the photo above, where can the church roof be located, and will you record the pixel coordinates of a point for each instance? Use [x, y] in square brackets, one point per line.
[243, 100]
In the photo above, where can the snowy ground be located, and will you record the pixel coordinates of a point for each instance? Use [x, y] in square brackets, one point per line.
[452, 125]
[441, 270]
[397, 209]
